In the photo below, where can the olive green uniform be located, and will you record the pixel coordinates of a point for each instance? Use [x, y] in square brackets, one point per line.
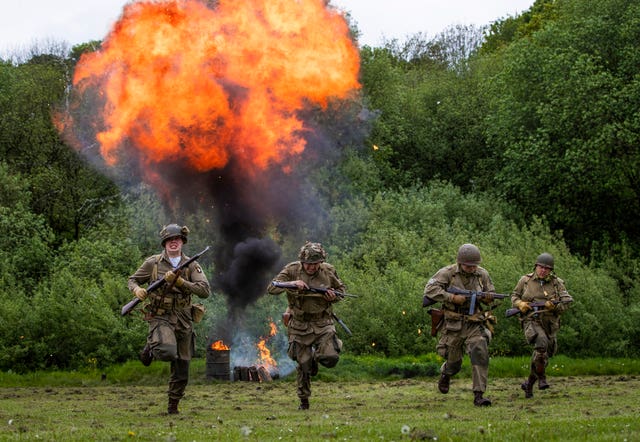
[460, 330]
[541, 327]
[311, 330]
[171, 336]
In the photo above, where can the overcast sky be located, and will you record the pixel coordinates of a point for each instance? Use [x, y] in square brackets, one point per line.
[25, 22]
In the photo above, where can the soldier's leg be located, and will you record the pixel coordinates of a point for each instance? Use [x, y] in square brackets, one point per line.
[478, 350]
[177, 383]
[185, 339]
[328, 349]
[162, 340]
[535, 335]
[302, 354]
[450, 347]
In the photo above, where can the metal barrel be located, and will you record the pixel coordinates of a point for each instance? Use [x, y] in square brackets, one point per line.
[218, 365]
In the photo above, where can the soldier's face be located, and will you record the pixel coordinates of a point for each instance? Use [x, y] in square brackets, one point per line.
[310, 268]
[468, 269]
[173, 245]
[542, 271]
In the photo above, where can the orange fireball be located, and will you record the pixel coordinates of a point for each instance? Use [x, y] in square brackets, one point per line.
[184, 81]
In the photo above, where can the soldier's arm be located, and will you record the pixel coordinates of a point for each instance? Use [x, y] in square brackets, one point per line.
[565, 297]
[142, 276]
[436, 288]
[197, 284]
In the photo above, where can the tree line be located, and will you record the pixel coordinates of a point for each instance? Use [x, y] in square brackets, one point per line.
[520, 137]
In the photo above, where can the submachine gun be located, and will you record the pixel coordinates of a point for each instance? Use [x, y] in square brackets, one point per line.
[437, 315]
[320, 291]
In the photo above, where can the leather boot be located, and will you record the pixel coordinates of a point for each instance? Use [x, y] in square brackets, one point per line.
[480, 401]
[146, 357]
[542, 382]
[304, 404]
[527, 386]
[443, 383]
[173, 406]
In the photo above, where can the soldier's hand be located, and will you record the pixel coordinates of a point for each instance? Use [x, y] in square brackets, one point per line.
[140, 293]
[487, 299]
[172, 278]
[329, 295]
[458, 299]
[523, 306]
[549, 305]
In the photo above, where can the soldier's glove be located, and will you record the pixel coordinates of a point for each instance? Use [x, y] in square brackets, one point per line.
[523, 306]
[170, 277]
[549, 306]
[458, 299]
[487, 299]
[140, 293]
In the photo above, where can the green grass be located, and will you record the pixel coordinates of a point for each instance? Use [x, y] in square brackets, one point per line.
[363, 398]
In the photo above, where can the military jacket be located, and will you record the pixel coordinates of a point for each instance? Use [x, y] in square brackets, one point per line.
[155, 266]
[305, 302]
[530, 288]
[453, 276]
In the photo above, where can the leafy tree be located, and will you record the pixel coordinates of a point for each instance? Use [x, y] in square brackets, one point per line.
[563, 126]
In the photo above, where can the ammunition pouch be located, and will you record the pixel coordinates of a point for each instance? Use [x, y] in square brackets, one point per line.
[197, 312]
[162, 304]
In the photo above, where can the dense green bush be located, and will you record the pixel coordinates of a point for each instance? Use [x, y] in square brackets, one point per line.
[408, 235]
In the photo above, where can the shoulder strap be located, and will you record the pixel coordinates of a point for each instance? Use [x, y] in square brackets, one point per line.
[154, 272]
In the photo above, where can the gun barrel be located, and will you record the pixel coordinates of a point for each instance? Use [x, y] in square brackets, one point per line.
[457, 291]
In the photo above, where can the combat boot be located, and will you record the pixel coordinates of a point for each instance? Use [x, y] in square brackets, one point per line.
[304, 404]
[480, 401]
[527, 386]
[146, 357]
[443, 383]
[542, 382]
[173, 406]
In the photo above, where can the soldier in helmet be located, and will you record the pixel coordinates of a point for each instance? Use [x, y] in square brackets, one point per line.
[461, 330]
[312, 334]
[540, 324]
[169, 309]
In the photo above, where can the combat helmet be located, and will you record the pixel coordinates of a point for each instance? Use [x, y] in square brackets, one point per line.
[312, 252]
[171, 231]
[545, 260]
[469, 255]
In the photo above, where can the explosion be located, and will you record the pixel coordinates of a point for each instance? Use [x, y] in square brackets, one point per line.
[215, 105]
[185, 82]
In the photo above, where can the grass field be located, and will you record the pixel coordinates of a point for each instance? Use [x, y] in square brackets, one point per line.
[81, 407]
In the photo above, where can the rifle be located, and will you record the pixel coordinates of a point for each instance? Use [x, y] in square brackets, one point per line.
[474, 295]
[342, 295]
[536, 306]
[160, 282]
[320, 290]
[437, 316]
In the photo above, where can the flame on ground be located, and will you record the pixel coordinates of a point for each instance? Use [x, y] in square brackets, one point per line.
[219, 345]
[265, 358]
[201, 82]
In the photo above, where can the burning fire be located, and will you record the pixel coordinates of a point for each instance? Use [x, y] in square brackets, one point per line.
[219, 345]
[265, 358]
[200, 83]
